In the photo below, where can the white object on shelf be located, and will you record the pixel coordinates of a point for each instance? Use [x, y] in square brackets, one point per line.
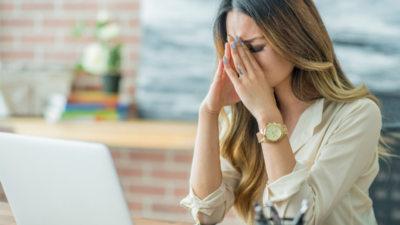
[4, 111]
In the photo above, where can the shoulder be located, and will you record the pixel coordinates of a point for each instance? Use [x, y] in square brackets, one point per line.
[363, 108]
[362, 114]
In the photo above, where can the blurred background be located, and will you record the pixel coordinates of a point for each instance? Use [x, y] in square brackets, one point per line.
[94, 64]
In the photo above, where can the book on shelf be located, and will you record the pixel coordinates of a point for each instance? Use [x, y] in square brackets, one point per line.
[87, 106]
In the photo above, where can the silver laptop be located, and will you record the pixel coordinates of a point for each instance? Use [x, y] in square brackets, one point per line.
[51, 181]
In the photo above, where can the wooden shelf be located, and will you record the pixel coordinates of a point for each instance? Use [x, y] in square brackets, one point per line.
[168, 135]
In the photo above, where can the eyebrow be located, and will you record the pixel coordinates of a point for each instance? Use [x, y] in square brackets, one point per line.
[249, 40]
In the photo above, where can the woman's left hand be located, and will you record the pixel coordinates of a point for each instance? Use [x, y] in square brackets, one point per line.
[252, 85]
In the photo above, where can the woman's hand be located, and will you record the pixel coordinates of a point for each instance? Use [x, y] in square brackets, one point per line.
[222, 91]
[252, 85]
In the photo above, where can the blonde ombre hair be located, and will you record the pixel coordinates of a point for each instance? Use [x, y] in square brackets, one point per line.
[317, 74]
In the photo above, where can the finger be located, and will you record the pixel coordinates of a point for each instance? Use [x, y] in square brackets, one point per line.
[231, 73]
[228, 53]
[243, 56]
[228, 57]
[220, 69]
[240, 67]
[251, 57]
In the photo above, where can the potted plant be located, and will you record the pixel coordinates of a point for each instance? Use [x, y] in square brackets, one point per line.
[102, 57]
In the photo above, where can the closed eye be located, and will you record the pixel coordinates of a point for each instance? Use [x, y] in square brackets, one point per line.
[254, 50]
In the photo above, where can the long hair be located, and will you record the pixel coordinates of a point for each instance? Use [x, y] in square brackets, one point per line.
[295, 30]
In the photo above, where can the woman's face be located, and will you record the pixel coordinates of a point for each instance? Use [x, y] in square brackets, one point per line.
[276, 68]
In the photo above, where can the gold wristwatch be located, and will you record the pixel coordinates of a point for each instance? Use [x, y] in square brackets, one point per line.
[273, 132]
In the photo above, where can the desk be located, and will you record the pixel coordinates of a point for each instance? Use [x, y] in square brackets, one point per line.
[7, 218]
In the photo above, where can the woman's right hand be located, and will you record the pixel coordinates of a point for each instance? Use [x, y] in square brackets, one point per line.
[222, 92]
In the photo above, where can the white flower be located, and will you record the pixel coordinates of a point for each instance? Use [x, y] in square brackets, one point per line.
[95, 58]
[103, 16]
[109, 32]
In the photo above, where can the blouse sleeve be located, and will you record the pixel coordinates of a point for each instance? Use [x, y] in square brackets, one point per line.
[343, 159]
[213, 208]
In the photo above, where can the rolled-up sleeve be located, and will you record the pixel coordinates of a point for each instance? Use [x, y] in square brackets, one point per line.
[348, 152]
[214, 207]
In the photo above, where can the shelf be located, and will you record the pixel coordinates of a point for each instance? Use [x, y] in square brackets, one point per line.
[151, 134]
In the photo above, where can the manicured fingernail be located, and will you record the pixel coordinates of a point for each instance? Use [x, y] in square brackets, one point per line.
[242, 42]
[233, 45]
[225, 60]
[236, 38]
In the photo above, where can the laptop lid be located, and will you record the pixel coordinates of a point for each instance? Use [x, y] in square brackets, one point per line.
[51, 181]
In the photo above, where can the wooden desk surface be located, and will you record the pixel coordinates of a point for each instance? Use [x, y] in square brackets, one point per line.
[152, 134]
[7, 218]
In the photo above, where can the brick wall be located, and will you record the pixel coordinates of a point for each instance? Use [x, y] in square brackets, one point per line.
[154, 182]
[39, 31]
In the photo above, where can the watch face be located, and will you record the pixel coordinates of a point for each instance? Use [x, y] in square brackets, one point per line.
[273, 132]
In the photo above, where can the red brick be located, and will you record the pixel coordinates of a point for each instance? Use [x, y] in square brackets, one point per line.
[170, 175]
[158, 157]
[130, 39]
[37, 6]
[183, 158]
[147, 190]
[129, 172]
[16, 23]
[6, 38]
[114, 154]
[134, 23]
[124, 6]
[6, 7]
[58, 23]
[134, 56]
[128, 73]
[135, 206]
[3, 197]
[169, 208]
[44, 39]
[131, 90]
[80, 6]
[17, 55]
[181, 192]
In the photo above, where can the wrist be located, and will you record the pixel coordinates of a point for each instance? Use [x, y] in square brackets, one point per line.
[204, 109]
[273, 116]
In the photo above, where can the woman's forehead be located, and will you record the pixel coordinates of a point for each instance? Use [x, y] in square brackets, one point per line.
[241, 25]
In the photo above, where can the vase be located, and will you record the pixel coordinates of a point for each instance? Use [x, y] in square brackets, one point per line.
[111, 83]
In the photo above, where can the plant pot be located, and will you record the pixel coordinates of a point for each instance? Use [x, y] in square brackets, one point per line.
[111, 83]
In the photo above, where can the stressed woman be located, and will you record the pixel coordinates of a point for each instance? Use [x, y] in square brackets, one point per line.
[297, 127]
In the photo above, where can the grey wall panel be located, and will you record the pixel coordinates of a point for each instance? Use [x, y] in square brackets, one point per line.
[177, 53]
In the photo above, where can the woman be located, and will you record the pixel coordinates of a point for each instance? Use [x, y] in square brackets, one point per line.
[280, 67]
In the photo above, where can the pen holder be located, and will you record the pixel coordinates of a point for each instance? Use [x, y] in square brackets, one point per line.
[261, 219]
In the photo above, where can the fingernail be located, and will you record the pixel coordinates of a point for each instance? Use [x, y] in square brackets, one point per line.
[225, 60]
[242, 42]
[236, 38]
[233, 45]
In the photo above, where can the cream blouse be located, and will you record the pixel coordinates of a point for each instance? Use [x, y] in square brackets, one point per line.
[335, 146]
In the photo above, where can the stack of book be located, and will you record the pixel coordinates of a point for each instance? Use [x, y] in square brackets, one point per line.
[92, 105]
[88, 106]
